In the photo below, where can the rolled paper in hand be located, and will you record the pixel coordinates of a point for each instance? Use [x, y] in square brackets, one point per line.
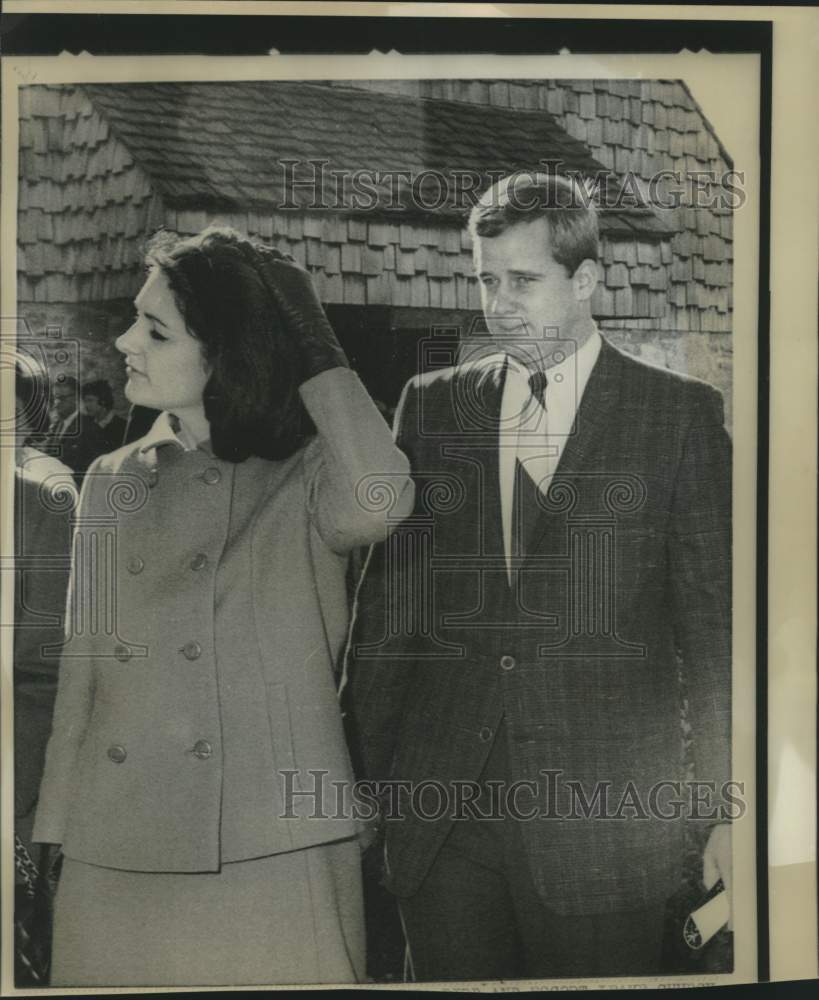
[704, 923]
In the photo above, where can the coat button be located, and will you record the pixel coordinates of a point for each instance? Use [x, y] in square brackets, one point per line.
[199, 561]
[202, 749]
[508, 663]
[192, 650]
[135, 565]
[211, 476]
[485, 734]
[117, 754]
[122, 653]
[153, 478]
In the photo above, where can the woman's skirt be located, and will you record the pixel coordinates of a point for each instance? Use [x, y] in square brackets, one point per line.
[288, 918]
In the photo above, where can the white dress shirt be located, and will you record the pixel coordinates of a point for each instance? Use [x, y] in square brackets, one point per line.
[536, 436]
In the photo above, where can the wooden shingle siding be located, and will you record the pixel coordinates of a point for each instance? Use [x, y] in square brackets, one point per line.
[107, 163]
[102, 166]
[642, 126]
[84, 206]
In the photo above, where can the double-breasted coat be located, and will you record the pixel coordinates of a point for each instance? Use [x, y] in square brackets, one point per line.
[135, 764]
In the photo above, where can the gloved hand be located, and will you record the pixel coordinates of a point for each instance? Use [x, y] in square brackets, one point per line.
[295, 296]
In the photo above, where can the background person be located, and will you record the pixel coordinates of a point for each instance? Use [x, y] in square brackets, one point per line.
[44, 499]
[98, 403]
[74, 436]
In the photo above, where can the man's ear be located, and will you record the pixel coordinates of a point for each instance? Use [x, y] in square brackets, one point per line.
[585, 279]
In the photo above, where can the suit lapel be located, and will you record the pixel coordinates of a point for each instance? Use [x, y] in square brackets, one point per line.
[595, 419]
[596, 413]
[476, 399]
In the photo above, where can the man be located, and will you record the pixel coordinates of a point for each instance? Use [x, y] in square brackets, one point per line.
[516, 653]
[98, 402]
[76, 438]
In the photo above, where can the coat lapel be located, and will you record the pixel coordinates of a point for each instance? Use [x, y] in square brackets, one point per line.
[594, 421]
[482, 397]
[596, 413]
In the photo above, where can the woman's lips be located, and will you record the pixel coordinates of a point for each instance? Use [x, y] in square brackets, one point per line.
[130, 370]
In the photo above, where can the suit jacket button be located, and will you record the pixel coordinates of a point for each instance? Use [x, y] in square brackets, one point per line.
[199, 561]
[192, 650]
[117, 754]
[122, 653]
[508, 663]
[135, 565]
[485, 734]
[202, 749]
[211, 476]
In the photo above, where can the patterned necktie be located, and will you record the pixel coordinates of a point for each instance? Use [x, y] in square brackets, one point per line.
[524, 493]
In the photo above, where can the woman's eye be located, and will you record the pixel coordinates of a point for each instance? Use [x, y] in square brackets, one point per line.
[156, 335]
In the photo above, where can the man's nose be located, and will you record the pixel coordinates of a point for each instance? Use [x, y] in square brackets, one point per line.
[503, 303]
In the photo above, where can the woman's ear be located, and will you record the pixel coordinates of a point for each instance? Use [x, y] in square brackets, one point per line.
[585, 279]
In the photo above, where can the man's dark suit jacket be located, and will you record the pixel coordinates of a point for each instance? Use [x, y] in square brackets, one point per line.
[627, 573]
[78, 444]
[113, 434]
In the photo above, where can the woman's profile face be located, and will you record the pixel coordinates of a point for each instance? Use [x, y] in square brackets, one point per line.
[165, 365]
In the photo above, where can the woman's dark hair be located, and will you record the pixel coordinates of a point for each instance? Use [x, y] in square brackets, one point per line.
[32, 391]
[221, 282]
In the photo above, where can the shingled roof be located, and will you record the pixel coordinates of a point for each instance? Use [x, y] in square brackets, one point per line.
[641, 127]
[223, 146]
[102, 166]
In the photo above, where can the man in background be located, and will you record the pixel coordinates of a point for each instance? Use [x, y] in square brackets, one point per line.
[75, 437]
[98, 402]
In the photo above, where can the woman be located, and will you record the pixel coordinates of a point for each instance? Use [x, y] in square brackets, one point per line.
[197, 847]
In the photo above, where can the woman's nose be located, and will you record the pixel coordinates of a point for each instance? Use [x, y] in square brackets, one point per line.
[127, 342]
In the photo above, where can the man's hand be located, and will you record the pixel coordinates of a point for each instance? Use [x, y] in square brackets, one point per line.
[716, 863]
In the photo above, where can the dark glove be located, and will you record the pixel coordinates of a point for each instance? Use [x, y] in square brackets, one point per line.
[295, 296]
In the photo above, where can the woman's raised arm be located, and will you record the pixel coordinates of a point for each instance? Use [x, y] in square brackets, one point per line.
[358, 480]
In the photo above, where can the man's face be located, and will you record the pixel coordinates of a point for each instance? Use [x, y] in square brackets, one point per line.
[92, 406]
[64, 400]
[528, 299]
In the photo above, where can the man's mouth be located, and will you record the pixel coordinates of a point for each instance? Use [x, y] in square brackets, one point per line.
[511, 325]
